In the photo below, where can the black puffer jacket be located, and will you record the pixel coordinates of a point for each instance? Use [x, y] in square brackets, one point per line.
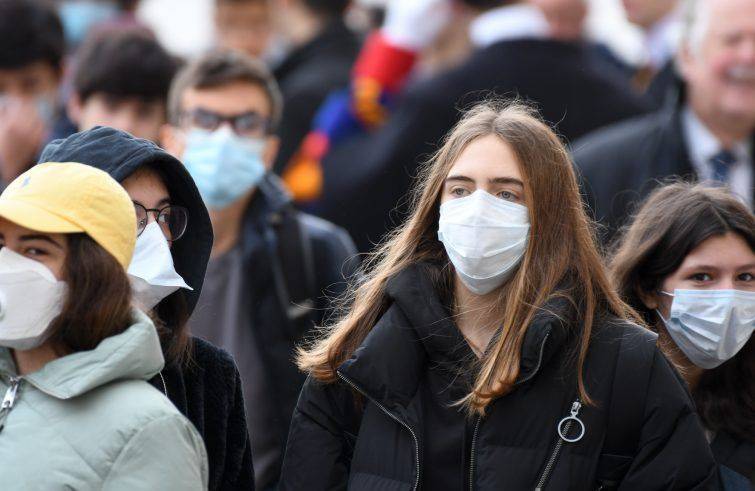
[332, 444]
[207, 387]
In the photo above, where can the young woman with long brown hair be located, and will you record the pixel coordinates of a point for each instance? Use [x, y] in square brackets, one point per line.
[687, 265]
[75, 356]
[484, 347]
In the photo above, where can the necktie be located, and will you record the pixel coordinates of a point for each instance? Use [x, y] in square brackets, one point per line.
[722, 162]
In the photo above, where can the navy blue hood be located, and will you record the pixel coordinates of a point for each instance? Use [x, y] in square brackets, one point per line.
[120, 155]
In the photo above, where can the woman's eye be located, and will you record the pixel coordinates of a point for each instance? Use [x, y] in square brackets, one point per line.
[459, 192]
[507, 195]
[701, 277]
[33, 251]
[743, 277]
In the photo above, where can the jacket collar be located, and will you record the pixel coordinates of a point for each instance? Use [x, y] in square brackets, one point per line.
[133, 354]
[403, 333]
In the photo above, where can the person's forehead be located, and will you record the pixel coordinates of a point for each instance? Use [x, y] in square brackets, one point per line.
[232, 98]
[732, 15]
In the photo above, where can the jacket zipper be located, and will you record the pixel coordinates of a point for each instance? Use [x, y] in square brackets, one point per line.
[479, 420]
[576, 406]
[472, 454]
[393, 417]
[8, 400]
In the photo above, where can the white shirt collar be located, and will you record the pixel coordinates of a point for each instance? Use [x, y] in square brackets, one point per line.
[662, 40]
[505, 23]
[702, 145]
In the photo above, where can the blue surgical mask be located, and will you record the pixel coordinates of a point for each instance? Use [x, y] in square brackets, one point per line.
[710, 326]
[224, 165]
[79, 16]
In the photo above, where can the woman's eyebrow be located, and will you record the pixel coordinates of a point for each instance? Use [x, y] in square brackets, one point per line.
[44, 238]
[506, 180]
[459, 178]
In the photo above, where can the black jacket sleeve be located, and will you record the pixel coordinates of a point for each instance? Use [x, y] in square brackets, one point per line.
[673, 452]
[320, 441]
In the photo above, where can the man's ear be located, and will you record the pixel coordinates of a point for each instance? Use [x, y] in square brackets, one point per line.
[172, 140]
[74, 109]
[270, 152]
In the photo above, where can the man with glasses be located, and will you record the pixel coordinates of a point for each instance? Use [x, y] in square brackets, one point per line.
[272, 268]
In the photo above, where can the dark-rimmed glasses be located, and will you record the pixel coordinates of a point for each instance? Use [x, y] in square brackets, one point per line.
[172, 220]
[247, 124]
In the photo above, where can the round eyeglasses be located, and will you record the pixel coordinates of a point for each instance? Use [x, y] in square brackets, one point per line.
[172, 220]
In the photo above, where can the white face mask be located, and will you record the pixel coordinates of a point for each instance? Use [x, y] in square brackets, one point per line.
[485, 238]
[710, 326]
[151, 272]
[30, 299]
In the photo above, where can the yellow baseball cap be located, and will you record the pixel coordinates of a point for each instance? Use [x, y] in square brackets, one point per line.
[65, 198]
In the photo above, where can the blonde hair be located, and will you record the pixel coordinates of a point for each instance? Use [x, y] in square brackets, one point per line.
[561, 258]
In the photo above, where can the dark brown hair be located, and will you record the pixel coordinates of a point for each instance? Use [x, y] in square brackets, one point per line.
[673, 221]
[562, 259]
[222, 67]
[98, 302]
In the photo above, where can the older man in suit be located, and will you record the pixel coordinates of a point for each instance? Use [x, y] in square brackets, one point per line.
[707, 135]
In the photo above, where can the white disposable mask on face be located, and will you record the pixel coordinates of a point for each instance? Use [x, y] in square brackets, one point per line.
[485, 238]
[710, 326]
[152, 274]
[30, 299]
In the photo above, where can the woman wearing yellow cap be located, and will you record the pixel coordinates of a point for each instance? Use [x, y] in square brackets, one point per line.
[77, 411]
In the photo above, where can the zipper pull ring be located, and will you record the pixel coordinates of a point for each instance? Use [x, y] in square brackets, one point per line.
[565, 424]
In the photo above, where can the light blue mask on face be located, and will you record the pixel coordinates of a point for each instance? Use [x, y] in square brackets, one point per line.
[224, 165]
[710, 326]
[79, 16]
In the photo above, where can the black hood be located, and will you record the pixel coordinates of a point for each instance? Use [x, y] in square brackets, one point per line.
[120, 155]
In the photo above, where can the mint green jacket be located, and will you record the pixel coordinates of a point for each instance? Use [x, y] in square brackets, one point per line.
[90, 420]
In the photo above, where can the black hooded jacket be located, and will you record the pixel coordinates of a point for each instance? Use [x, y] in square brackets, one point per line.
[393, 437]
[206, 387]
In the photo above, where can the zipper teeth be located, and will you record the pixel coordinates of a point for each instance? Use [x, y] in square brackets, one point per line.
[552, 460]
[471, 459]
[393, 417]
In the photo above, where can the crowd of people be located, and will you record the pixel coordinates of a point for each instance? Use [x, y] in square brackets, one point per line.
[457, 245]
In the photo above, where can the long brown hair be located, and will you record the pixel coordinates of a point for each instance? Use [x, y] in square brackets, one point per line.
[98, 302]
[672, 222]
[562, 258]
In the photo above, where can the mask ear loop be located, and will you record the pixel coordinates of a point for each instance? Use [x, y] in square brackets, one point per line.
[665, 321]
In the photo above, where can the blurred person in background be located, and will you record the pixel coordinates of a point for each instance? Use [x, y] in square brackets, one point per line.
[659, 21]
[31, 67]
[167, 272]
[321, 51]
[364, 178]
[77, 410]
[272, 267]
[244, 25]
[686, 263]
[707, 133]
[122, 80]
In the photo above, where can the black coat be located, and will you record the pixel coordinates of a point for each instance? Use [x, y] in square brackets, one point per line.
[306, 77]
[364, 179]
[205, 388]
[280, 280]
[621, 164]
[333, 444]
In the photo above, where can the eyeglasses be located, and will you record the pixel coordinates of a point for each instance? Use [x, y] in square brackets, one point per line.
[248, 124]
[172, 220]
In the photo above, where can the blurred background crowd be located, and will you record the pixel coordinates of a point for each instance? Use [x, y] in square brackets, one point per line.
[340, 102]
